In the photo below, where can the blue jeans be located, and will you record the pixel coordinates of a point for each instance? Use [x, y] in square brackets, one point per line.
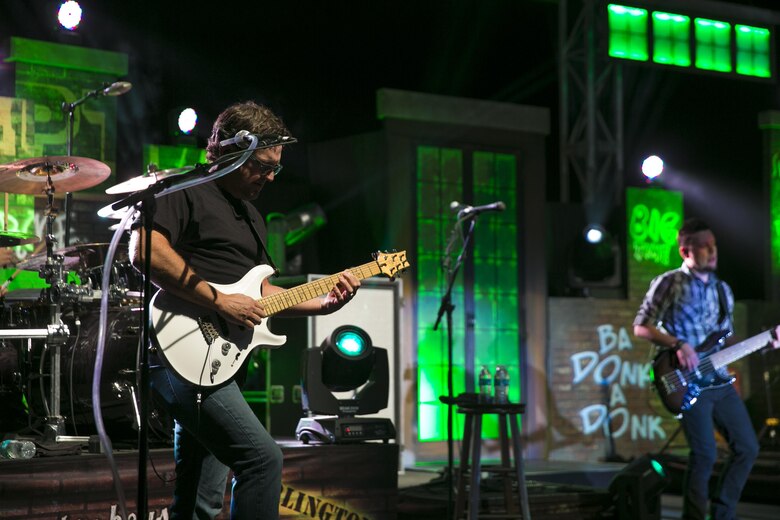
[219, 434]
[725, 408]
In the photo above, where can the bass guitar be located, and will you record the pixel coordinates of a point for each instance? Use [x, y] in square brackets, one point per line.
[205, 349]
[679, 388]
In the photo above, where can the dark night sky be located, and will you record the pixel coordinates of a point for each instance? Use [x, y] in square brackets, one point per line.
[319, 63]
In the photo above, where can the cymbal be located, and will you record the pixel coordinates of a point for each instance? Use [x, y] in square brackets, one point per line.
[13, 238]
[75, 257]
[67, 173]
[144, 181]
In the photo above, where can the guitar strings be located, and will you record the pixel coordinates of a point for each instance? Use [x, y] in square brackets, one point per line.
[674, 379]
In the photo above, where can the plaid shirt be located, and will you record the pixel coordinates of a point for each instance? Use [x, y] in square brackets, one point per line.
[686, 307]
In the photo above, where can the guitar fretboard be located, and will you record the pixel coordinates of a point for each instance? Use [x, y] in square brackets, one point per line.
[740, 350]
[284, 300]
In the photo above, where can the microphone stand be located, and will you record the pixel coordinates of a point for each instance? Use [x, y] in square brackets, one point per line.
[447, 308]
[70, 110]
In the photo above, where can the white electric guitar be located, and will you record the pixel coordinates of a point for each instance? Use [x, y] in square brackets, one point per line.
[207, 350]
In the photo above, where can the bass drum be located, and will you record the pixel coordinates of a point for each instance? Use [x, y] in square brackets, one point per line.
[118, 389]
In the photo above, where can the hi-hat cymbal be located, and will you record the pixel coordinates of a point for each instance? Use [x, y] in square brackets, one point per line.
[144, 181]
[13, 238]
[67, 173]
[75, 257]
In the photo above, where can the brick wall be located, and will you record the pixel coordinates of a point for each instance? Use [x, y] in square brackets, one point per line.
[596, 364]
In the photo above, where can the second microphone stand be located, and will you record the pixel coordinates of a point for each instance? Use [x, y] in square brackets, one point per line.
[446, 307]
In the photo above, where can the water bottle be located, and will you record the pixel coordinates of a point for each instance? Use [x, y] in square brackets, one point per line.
[17, 449]
[485, 386]
[501, 385]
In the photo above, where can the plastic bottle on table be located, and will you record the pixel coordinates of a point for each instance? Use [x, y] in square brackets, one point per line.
[17, 449]
[501, 385]
[485, 385]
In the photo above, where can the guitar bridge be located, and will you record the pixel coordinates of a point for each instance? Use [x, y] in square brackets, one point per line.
[208, 330]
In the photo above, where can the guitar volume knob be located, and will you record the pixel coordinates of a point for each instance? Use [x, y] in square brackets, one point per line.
[225, 348]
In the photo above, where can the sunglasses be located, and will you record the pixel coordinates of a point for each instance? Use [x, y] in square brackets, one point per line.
[267, 168]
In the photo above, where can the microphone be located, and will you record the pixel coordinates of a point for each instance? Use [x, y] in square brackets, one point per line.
[244, 137]
[117, 88]
[464, 210]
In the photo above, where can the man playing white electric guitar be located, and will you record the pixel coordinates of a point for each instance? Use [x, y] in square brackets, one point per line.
[205, 239]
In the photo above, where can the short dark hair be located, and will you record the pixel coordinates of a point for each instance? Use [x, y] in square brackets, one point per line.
[689, 228]
[246, 115]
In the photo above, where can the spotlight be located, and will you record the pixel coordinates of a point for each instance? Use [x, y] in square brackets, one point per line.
[637, 489]
[652, 167]
[594, 233]
[594, 259]
[346, 361]
[187, 120]
[69, 15]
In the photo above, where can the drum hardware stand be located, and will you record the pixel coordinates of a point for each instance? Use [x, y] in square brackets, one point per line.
[57, 331]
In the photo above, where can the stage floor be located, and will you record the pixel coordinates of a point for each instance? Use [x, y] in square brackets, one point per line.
[575, 489]
[360, 479]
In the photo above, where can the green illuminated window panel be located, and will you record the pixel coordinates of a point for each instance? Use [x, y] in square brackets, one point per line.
[753, 51]
[713, 45]
[627, 32]
[440, 180]
[671, 39]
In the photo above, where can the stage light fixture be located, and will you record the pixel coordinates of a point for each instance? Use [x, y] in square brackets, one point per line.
[652, 167]
[293, 228]
[346, 361]
[69, 15]
[594, 233]
[637, 489]
[187, 120]
[594, 259]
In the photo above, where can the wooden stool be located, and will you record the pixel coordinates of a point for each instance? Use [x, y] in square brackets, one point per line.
[472, 442]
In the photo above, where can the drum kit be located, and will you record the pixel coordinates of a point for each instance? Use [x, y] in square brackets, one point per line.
[40, 327]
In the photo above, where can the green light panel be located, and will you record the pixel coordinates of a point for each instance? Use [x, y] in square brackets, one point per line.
[165, 156]
[627, 32]
[753, 51]
[774, 194]
[21, 218]
[439, 181]
[671, 39]
[496, 329]
[713, 45]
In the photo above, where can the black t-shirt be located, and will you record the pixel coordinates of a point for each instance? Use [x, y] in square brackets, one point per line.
[208, 227]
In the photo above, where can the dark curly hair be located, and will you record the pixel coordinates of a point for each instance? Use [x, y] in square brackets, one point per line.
[247, 115]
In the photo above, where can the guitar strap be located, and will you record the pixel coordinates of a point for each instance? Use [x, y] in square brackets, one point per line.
[245, 215]
[724, 311]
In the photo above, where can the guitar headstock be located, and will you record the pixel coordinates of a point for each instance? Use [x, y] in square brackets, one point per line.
[391, 264]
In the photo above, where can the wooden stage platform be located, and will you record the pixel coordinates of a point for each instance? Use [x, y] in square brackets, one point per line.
[342, 482]
[347, 481]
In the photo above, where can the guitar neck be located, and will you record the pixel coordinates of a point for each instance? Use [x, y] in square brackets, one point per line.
[278, 302]
[740, 350]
